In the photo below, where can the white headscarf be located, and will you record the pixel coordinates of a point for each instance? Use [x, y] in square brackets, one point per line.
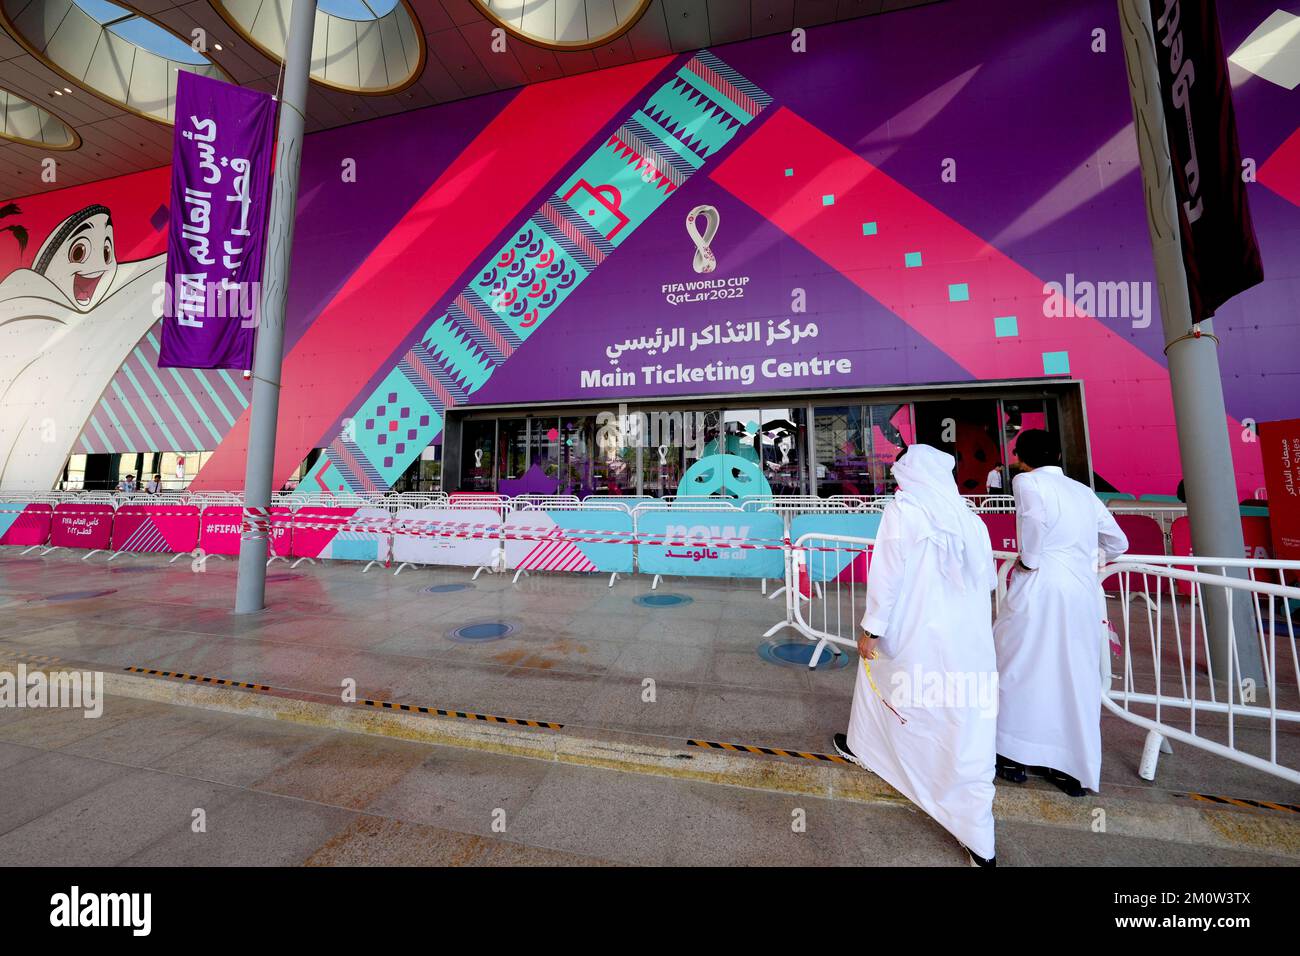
[925, 482]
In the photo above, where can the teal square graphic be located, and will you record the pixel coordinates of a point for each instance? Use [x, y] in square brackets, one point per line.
[959, 292]
[912, 260]
[1056, 363]
[789, 172]
[1005, 326]
[828, 199]
[869, 229]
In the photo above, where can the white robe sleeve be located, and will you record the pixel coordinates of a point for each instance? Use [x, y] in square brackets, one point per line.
[1110, 539]
[885, 576]
[1031, 517]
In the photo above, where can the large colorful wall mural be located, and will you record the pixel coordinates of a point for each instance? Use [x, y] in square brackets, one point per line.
[863, 214]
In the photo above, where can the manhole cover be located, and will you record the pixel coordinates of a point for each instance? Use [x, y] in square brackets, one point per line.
[663, 600]
[134, 570]
[78, 595]
[799, 653]
[447, 588]
[482, 631]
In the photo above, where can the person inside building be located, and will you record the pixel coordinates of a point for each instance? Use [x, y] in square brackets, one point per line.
[929, 620]
[154, 484]
[1051, 633]
[994, 480]
[127, 484]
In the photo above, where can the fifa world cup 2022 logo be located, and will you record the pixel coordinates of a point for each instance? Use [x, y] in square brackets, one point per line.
[705, 260]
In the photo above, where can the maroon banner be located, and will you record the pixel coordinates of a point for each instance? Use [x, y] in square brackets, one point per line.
[1280, 445]
[1220, 252]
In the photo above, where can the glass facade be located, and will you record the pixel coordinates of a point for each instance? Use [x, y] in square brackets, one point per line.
[692, 450]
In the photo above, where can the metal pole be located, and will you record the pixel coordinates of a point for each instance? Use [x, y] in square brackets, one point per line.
[250, 592]
[1200, 416]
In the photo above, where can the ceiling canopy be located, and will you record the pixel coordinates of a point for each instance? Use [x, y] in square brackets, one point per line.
[360, 46]
[108, 49]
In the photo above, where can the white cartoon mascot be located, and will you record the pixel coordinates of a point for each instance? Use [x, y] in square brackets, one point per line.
[66, 325]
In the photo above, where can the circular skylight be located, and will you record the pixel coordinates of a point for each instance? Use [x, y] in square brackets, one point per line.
[360, 46]
[564, 24]
[26, 123]
[108, 49]
[357, 9]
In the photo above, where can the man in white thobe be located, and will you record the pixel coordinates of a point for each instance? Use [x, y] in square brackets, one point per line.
[924, 711]
[1051, 633]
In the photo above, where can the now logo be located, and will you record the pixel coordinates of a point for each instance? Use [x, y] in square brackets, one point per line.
[707, 533]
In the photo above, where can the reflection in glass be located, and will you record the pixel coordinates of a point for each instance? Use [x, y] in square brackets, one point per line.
[477, 442]
[544, 449]
[512, 447]
[890, 432]
[783, 440]
[576, 458]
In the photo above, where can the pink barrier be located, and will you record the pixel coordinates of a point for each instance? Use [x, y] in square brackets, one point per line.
[1144, 537]
[154, 529]
[82, 526]
[1002, 530]
[30, 525]
[220, 528]
[1254, 529]
[314, 529]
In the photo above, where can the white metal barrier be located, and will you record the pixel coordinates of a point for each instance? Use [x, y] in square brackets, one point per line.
[1165, 681]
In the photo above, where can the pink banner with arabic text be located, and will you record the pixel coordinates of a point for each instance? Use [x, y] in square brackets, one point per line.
[82, 526]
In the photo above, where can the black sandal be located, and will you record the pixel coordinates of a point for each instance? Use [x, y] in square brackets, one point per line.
[1010, 771]
[1064, 782]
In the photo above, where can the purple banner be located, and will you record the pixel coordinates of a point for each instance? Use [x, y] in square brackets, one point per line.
[221, 188]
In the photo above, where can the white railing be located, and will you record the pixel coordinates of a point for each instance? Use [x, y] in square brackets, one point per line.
[1165, 680]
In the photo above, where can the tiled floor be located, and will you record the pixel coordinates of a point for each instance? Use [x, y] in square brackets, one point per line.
[580, 653]
[153, 784]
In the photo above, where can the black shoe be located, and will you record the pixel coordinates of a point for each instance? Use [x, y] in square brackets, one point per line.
[841, 744]
[977, 860]
[1068, 785]
[1011, 771]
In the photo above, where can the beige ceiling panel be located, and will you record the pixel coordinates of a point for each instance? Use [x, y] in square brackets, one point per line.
[319, 44]
[570, 21]
[150, 89]
[511, 11]
[245, 11]
[37, 21]
[74, 36]
[601, 17]
[390, 35]
[272, 25]
[109, 70]
[539, 21]
[22, 119]
[372, 71]
[341, 55]
[410, 38]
